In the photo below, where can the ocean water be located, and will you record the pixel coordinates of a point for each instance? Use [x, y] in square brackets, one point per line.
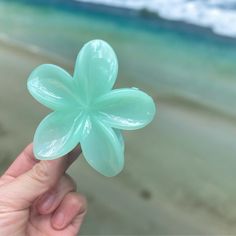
[219, 15]
[174, 63]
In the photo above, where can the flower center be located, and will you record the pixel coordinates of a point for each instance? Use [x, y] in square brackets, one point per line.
[88, 108]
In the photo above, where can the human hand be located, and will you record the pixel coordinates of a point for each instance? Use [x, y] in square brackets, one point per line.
[37, 198]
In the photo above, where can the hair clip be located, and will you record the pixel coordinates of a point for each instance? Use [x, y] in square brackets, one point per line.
[86, 110]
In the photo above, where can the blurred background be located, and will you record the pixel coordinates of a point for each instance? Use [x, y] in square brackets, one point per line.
[179, 175]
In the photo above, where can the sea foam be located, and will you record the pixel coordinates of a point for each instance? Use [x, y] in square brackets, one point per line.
[219, 15]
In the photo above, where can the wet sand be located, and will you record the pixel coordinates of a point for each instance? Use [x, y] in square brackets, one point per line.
[179, 176]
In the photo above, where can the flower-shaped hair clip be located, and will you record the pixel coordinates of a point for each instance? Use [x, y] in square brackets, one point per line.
[86, 110]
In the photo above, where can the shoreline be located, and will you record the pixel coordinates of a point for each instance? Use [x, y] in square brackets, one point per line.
[145, 19]
[33, 50]
[173, 100]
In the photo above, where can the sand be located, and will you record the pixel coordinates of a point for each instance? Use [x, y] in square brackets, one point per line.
[179, 172]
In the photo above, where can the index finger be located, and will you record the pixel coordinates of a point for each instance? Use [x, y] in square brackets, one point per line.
[44, 175]
[26, 160]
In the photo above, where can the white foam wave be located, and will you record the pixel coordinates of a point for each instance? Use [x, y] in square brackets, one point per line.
[219, 15]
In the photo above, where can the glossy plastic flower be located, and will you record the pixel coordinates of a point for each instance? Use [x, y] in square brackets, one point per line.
[86, 110]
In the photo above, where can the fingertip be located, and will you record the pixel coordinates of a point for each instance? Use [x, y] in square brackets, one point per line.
[45, 203]
[49, 201]
[58, 221]
[73, 206]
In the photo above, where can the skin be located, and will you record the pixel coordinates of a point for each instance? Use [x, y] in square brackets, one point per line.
[38, 198]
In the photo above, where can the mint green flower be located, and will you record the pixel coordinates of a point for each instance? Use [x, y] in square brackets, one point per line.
[86, 110]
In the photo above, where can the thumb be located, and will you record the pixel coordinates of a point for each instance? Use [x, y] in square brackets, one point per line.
[44, 175]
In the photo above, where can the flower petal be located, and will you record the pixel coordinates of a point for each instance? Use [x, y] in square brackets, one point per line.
[102, 149]
[120, 138]
[126, 108]
[57, 135]
[52, 86]
[96, 68]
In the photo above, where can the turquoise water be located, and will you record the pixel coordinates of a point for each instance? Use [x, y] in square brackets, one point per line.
[174, 63]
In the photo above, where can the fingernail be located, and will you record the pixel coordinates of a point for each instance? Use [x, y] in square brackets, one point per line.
[59, 219]
[47, 201]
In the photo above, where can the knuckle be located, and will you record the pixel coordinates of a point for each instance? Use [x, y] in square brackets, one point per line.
[74, 201]
[40, 172]
[83, 200]
[78, 201]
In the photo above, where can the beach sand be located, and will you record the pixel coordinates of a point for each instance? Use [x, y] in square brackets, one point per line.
[179, 172]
